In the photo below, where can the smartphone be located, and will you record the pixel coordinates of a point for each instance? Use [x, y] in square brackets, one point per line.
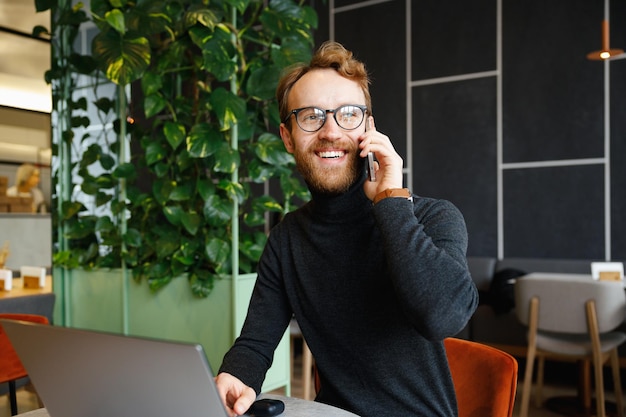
[371, 171]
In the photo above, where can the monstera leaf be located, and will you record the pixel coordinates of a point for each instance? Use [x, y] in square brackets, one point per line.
[122, 57]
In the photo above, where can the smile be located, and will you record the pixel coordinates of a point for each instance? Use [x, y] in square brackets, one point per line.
[331, 154]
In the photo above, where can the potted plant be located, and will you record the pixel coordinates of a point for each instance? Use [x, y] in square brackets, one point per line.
[164, 137]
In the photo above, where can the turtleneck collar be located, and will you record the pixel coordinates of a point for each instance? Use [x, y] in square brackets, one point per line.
[351, 204]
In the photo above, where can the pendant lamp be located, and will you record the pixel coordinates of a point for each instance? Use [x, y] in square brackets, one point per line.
[605, 52]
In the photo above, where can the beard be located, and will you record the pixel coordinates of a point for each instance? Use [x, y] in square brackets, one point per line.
[330, 180]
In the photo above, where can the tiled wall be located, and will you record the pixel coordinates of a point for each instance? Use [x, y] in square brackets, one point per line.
[494, 106]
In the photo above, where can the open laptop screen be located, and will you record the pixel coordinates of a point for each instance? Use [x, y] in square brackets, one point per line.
[80, 373]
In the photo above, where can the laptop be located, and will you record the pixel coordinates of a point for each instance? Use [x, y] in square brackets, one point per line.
[79, 373]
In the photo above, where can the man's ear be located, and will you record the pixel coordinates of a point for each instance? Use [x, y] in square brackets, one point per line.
[285, 135]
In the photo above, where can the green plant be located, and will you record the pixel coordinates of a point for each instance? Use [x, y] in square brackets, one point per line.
[201, 77]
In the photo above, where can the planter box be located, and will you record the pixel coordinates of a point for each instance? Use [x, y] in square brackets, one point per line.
[104, 300]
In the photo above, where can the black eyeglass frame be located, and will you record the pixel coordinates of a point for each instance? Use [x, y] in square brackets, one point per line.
[326, 111]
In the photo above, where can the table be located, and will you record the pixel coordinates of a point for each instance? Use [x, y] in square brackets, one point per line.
[294, 407]
[18, 289]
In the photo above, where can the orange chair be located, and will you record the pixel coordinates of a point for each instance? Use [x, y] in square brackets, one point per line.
[11, 367]
[485, 378]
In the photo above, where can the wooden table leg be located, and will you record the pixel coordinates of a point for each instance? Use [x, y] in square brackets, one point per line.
[584, 384]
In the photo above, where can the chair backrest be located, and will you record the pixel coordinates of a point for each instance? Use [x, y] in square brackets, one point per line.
[11, 367]
[562, 303]
[39, 304]
[485, 378]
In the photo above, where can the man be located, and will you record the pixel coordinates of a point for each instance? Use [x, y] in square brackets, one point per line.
[375, 276]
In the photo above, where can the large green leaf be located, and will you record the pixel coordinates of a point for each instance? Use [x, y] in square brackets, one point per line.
[228, 107]
[203, 15]
[173, 214]
[70, 208]
[252, 245]
[206, 188]
[115, 18]
[218, 251]
[151, 83]
[270, 149]
[166, 247]
[133, 238]
[155, 152]
[286, 19]
[174, 133]
[217, 212]
[125, 170]
[148, 18]
[290, 52]
[161, 190]
[188, 251]
[182, 191]
[263, 81]
[218, 53]
[153, 104]
[191, 221]
[203, 140]
[202, 283]
[260, 172]
[235, 190]
[227, 159]
[123, 58]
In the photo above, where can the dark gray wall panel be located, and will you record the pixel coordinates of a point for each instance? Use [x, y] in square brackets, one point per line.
[454, 153]
[555, 212]
[618, 158]
[552, 95]
[553, 110]
[452, 37]
[385, 60]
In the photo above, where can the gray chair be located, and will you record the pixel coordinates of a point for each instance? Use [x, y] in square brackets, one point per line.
[571, 317]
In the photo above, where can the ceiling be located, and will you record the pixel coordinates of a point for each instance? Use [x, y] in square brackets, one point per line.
[23, 61]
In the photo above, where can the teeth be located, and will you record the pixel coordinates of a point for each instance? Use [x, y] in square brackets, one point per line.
[331, 154]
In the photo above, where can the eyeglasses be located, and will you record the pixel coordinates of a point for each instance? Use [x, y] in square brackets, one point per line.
[311, 119]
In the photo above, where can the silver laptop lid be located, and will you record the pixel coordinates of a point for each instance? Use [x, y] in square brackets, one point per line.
[79, 373]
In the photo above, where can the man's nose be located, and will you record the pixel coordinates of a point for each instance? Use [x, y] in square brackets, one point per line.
[330, 130]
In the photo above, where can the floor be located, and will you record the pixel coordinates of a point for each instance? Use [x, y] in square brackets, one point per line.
[28, 401]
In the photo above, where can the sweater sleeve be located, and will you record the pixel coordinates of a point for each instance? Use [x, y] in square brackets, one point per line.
[266, 321]
[425, 243]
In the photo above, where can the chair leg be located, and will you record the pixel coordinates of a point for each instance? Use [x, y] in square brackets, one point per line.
[13, 397]
[619, 401]
[528, 380]
[307, 364]
[599, 381]
[541, 361]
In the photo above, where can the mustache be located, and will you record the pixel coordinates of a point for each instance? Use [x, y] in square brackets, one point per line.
[335, 144]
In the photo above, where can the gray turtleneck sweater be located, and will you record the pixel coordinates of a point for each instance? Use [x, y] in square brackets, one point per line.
[375, 290]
